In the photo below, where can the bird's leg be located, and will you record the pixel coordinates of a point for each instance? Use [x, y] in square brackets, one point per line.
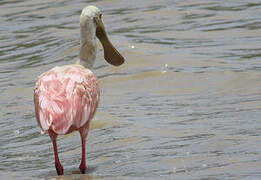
[83, 164]
[58, 166]
[83, 132]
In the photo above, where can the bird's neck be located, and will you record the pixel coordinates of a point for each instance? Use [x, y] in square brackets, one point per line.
[88, 46]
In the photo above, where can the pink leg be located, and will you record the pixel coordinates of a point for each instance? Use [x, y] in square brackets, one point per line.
[58, 166]
[83, 132]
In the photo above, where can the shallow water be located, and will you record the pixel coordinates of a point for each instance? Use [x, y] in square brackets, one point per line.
[185, 105]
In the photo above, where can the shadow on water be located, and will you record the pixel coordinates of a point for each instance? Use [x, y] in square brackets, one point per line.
[74, 174]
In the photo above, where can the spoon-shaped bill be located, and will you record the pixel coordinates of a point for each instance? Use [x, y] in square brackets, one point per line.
[111, 55]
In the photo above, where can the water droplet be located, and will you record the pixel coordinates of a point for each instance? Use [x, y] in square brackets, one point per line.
[188, 13]
[131, 46]
[204, 165]
[163, 72]
[174, 170]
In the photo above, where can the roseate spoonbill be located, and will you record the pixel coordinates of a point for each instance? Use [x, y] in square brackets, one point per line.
[67, 97]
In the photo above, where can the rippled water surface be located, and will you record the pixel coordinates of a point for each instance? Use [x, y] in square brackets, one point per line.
[185, 105]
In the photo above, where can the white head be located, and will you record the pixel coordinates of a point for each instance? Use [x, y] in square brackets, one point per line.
[91, 27]
[91, 11]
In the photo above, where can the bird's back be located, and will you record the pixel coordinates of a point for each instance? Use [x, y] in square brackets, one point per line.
[65, 97]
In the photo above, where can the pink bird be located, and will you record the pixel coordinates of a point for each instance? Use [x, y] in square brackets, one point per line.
[66, 97]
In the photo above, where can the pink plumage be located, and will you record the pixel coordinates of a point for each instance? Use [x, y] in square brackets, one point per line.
[65, 98]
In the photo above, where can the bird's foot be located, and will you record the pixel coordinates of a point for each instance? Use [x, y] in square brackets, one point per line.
[82, 168]
[59, 168]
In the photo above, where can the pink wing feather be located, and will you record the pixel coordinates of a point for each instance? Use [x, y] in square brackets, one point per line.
[64, 97]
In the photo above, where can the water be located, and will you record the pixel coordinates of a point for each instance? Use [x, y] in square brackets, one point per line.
[185, 105]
